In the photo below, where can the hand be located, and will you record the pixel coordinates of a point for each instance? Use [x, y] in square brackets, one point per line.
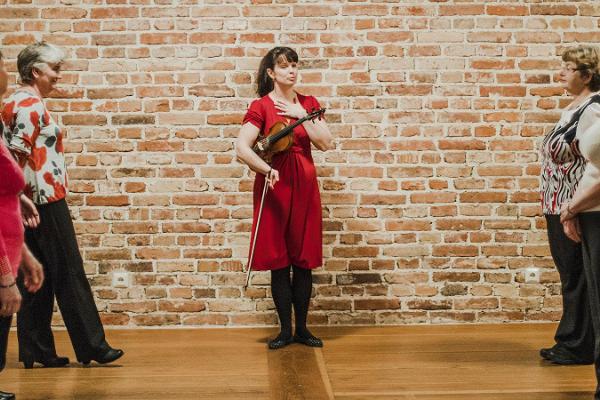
[10, 298]
[571, 228]
[29, 213]
[273, 178]
[292, 110]
[33, 271]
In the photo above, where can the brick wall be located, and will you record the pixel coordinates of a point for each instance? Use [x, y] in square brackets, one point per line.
[430, 198]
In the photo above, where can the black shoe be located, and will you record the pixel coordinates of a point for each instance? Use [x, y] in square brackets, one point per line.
[106, 357]
[280, 341]
[545, 353]
[311, 341]
[54, 362]
[561, 356]
[7, 396]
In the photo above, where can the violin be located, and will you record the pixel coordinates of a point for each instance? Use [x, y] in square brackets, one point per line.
[281, 136]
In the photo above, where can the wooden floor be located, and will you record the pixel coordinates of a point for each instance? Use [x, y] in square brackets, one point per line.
[468, 362]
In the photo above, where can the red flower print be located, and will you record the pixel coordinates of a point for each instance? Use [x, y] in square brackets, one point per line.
[34, 117]
[8, 113]
[37, 158]
[59, 190]
[59, 143]
[28, 102]
[46, 118]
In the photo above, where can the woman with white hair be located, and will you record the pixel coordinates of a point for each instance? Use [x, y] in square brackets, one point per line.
[35, 139]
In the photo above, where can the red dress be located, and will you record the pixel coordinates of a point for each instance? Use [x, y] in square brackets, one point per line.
[11, 227]
[291, 224]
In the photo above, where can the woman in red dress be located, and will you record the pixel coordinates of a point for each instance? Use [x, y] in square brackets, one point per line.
[290, 234]
[13, 251]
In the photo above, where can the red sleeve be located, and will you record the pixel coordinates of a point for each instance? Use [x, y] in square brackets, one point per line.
[255, 115]
[313, 104]
[28, 115]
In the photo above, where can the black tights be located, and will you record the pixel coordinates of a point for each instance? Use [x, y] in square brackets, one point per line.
[294, 291]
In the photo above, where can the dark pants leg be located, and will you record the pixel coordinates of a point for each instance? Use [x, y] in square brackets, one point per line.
[575, 330]
[35, 316]
[55, 244]
[4, 331]
[590, 231]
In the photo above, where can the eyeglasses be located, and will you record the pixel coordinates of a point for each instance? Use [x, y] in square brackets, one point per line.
[568, 69]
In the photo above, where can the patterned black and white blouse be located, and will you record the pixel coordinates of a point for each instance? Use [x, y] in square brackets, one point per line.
[562, 161]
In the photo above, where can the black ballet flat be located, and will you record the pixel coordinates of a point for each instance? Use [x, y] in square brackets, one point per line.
[7, 396]
[310, 341]
[54, 362]
[280, 342]
[108, 356]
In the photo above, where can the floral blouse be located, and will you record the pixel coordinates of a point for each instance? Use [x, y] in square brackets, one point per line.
[32, 135]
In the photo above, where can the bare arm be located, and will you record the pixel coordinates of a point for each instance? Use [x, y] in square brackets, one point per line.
[583, 200]
[319, 134]
[243, 150]
[317, 130]
[32, 270]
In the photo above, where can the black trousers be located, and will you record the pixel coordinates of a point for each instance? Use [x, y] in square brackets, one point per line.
[590, 234]
[54, 244]
[4, 331]
[575, 330]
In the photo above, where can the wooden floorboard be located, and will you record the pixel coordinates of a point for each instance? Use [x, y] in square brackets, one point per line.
[468, 362]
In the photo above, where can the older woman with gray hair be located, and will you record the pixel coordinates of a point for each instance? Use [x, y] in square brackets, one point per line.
[35, 139]
[563, 166]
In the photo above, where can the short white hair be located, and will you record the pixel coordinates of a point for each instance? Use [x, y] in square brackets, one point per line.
[37, 55]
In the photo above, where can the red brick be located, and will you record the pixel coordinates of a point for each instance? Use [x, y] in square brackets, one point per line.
[389, 37]
[363, 10]
[257, 38]
[114, 201]
[462, 10]
[114, 12]
[314, 10]
[553, 9]
[265, 11]
[14, 39]
[376, 304]
[507, 10]
[212, 37]
[18, 13]
[163, 38]
[113, 39]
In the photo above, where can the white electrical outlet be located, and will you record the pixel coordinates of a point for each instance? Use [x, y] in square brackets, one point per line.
[120, 279]
[532, 275]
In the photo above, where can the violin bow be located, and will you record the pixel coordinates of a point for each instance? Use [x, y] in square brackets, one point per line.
[253, 247]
